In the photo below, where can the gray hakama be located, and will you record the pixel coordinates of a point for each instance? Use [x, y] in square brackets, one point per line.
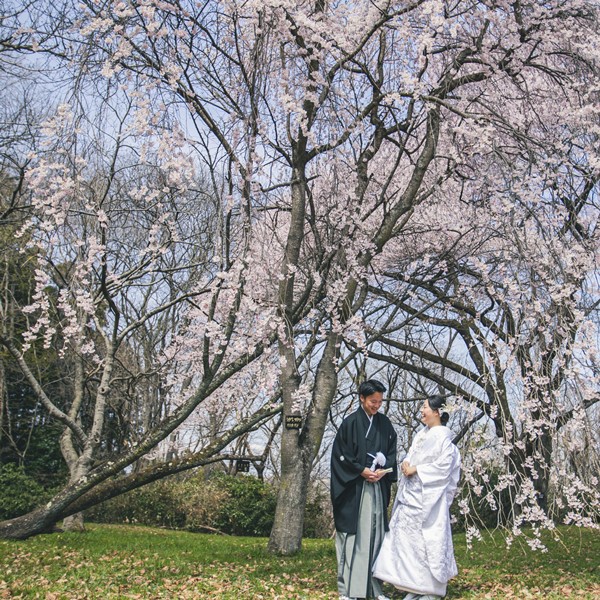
[355, 552]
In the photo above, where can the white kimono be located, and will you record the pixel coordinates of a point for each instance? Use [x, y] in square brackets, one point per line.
[417, 553]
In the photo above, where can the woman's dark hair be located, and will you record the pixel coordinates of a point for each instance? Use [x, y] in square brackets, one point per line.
[371, 386]
[438, 403]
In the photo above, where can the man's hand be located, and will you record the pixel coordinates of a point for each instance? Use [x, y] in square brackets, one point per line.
[372, 476]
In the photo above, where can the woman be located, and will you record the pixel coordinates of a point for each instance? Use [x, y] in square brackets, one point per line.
[417, 555]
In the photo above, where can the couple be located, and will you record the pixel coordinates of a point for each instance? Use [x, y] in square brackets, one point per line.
[414, 551]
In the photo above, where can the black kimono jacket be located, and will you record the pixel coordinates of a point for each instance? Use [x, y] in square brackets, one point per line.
[349, 457]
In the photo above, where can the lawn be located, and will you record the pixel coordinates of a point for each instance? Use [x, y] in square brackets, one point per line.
[119, 562]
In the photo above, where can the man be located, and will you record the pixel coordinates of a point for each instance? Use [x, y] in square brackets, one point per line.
[363, 468]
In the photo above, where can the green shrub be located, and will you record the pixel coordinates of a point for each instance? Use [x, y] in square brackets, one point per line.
[231, 504]
[155, 504]
[201, 500]
[19, 493]
[318, 515]
[249, 508]
[237, 505]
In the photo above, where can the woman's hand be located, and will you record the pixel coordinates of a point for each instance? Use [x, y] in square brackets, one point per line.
[407, 469]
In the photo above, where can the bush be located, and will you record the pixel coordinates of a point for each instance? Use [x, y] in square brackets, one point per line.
[237, 505]
[19, 493]
[249, 508]
[202, 501]
[318, 515]
[232, 504]
[155, 504]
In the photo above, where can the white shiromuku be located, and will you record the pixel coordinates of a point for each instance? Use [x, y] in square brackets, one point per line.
[417, 553]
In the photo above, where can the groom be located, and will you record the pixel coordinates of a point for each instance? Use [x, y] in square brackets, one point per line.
[363, 468]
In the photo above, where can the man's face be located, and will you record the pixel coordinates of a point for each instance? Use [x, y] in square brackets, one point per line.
[372, 403]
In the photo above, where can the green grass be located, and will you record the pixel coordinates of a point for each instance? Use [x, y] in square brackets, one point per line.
[570, 568]
[119, 562]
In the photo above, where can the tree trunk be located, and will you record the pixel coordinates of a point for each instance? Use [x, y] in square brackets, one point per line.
[288, 525]
[3, 404]
[33, 523]
[74, 523]
[40, 520]
[298, 450]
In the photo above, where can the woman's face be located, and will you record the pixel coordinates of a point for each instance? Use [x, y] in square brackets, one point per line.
[430, 416]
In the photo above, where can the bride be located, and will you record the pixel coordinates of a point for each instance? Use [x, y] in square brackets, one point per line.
[417, 555]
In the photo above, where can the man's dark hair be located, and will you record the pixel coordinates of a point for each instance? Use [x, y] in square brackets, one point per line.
[371, 386]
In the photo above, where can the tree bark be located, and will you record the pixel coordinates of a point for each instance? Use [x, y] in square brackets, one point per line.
[299, 449]
[74, 523]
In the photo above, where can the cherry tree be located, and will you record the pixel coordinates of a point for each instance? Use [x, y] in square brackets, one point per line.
[468, 90]
[119, 249]
[513, 341]
[498, 310]
[325, 129]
